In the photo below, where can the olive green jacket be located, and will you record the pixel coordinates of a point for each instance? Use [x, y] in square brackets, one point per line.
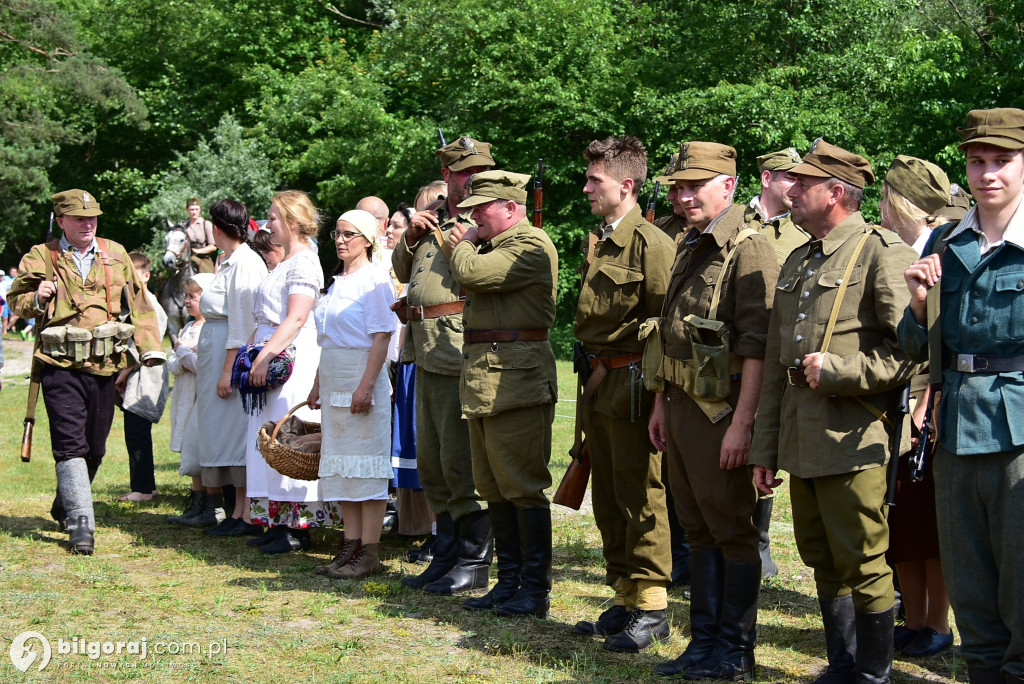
[625, 285]
[783, 235]
[746, 293]
[827, 431]
[84, 304]
[673, 225]
[511, 284]
[433, 344]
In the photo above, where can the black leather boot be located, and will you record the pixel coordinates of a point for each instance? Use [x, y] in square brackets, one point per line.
[611, 621]
[732, 660]
[643, 628]
[475, 546]
[707, 580]
[984, 675]
[445, 554]
[505, 529]
[535, 547]
[840, 640]
[80, 539]
[873, 661]
[762, 521]
[193, 506]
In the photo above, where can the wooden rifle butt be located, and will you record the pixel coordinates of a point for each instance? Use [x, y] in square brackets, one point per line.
[573, 486]
[26, 440]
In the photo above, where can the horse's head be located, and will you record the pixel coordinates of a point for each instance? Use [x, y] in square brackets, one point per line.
[176, 247]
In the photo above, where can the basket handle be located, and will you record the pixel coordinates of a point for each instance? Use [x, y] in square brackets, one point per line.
[286, 417]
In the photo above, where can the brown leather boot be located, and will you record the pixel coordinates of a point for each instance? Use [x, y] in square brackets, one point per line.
[346, 547]
[365, 561]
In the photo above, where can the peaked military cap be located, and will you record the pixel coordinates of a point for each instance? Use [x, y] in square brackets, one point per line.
[75, 203]
[488, 186]
[1002, 127]
[826, 160]
[465, 153]
[920, 181]
[699, 160]
[783, 160]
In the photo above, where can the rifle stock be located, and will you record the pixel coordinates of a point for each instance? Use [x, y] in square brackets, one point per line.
[653, 204]
[538, 195]
[573, 486]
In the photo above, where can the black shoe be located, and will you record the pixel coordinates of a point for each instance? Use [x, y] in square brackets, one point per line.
[928, 643]
[193, 506]
[225, 528]
[475, 547]
[533, 597]
[81, 540]
[292, 540]
[902, 636]
[446, 554]
[643, 629]
[611, 621]
[244, 529]
[707, 580]
[270, 535]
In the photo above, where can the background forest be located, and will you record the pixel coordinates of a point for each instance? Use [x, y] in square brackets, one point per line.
[146, 102]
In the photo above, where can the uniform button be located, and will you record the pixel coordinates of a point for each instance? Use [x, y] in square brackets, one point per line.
[805, 294]
[797, 362]
[810, 272]
[412, 285]
[974, 319]
[430, 254]
[465, 356]
[801, 317]
[817, 255]
[799, 338]
[1020, 283]
[419, 270]
[839, 281]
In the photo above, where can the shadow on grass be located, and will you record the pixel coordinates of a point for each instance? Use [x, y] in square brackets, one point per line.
[32, 528]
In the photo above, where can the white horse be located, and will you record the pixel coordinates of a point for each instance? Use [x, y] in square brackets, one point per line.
[178, 259]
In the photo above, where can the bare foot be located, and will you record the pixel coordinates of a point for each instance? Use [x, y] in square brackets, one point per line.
[136, 497]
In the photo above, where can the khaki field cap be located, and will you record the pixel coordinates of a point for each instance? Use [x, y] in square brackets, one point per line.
[825, 160]
[75, 203]
[701, 160]
[959, 204]
[783, 160]
[1003, 127]
[364, 222]
[920, 181]
[488, 186]
[666, 173]
[464, 153]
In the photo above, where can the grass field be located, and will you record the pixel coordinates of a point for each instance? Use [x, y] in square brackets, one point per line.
[247, 617]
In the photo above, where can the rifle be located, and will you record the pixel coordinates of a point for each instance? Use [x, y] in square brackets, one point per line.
[33, 385]
[653, 203]
[538, 195]
[573, 486]
[440, 136]
[902, 410]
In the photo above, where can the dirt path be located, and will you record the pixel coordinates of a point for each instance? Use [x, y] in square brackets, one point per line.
[17, 361]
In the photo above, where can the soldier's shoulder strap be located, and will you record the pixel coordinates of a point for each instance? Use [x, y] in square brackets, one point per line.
[936, 245]
[716, 294]
[104, 245]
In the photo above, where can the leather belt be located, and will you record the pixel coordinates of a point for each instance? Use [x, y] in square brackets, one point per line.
[504, 335]
[613, 362]
[419, 313]
[979, 363]
[796, 377]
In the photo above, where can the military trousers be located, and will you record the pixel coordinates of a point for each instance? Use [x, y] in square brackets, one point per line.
[80, 408]
[629, 499]
[442, 446]
[714, 505]
[979, 501]
[511, 451]
[839, 522]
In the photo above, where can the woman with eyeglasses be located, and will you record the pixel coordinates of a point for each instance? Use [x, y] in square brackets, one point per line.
[354, 325]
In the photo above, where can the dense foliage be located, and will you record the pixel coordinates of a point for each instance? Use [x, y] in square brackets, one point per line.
[145, 101]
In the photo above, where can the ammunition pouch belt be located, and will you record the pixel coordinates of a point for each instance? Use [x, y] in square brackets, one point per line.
[80, 345]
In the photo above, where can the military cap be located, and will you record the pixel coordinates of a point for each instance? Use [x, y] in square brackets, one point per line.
[700, 160]
[464, 153]
[825, 160]
[783, 160]
[364, 222]
[920, 181]
[959, 204]
[667, 172]
[488, 186]
[75, 203]
[1002, 127]
[193, 202]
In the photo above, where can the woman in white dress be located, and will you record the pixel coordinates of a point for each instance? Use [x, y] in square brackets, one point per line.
[355, 323]
[227, 307]
[282, 310]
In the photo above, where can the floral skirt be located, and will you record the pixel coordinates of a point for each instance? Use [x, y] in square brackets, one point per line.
[297, 514]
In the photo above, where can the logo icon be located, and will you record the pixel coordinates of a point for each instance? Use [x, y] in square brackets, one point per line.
[22, 655]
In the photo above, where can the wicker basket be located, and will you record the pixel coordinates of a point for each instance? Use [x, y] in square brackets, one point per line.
[289, 462]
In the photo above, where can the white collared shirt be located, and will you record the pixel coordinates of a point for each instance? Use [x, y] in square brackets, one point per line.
[1014, 232]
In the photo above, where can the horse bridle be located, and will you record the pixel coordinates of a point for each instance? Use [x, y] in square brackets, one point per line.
[178, 261]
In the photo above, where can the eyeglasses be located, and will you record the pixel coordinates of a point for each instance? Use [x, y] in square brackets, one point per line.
[346, 235]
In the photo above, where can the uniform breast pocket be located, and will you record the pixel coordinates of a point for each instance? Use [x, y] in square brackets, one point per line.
[616, 290]
[786, 298]
[829, 283]
[1007, 305]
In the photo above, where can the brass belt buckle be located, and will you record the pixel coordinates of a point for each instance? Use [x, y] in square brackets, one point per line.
[796, 376]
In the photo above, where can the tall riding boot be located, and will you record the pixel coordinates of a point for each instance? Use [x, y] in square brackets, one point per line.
[535, 546]
[57, 511]
[475, 546]
[762, 521]
[505, 528]
[76, 494]
[733, 657]
[212, 513]
[446, 553]
[874, 647]
[707, 581]
[984, 675]
[840, 640]
[193, 506]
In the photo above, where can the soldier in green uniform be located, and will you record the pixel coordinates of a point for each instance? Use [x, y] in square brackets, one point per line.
[718, 304]
[89, 305]
[832, 368]
[624, 281]
[433, 341]
[769, 214]
[508, 385]
[674, 223]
